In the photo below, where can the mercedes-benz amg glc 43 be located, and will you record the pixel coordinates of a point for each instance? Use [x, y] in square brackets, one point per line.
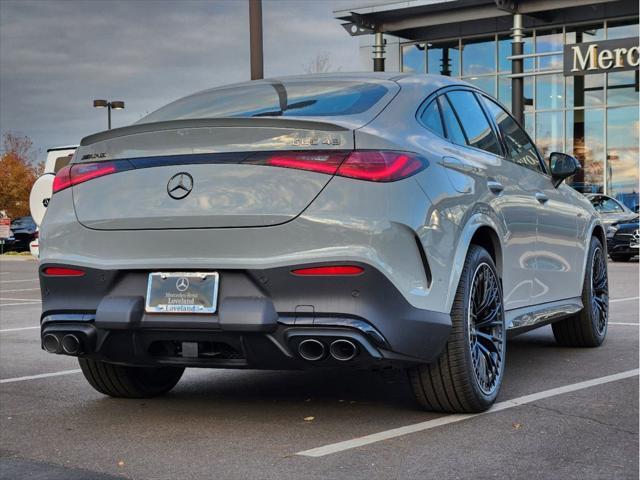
[328, 221]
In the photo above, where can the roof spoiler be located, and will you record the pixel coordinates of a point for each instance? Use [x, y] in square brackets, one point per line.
[211, 122]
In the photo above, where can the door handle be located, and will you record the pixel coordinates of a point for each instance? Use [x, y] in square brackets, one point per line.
[495, 187]
[541, 197]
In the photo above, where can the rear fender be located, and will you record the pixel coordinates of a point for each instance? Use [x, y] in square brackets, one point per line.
[476, 221]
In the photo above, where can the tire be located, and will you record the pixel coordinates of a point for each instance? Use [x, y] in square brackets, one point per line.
[620, 257]
[129, 382]
[454, 383]
[588, 328]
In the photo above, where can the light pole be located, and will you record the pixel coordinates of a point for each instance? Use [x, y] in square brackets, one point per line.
[115, 104]
[255, 39]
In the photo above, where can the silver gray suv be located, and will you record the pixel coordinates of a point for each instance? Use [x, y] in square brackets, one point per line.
[327, 221]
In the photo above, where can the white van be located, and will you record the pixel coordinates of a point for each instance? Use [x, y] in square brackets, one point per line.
[43, 187]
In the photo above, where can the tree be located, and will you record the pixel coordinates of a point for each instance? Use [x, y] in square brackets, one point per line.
[17, 174]
[320, 64]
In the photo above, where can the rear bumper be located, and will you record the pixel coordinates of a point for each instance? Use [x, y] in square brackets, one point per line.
[262, 317]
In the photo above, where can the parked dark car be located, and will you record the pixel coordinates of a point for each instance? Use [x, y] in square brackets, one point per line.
[24, 231]
[610, 209]
[623, 240]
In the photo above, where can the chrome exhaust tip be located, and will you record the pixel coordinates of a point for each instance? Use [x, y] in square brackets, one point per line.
[311, 350]
[70, 344]
[343, 350]
[51, 343]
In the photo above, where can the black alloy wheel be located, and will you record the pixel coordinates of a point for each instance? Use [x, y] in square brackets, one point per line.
[486, 328]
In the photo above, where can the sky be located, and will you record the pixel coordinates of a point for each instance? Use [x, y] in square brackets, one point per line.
[56, 56]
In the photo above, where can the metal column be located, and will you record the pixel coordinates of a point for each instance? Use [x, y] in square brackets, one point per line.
[378, 52]
[517, 82]
[255, 39]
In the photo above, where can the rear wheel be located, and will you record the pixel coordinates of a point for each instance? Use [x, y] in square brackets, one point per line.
[129, 382]
[588, 327]
[468, 374]
[620, 257]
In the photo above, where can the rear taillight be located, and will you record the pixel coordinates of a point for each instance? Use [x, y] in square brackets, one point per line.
[314, 161]
[62, 179]
[63, 272]
[331, 270]
[381, 165]
[82, 172]
[370, 165]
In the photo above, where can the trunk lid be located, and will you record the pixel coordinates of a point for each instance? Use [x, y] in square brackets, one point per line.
[211, 158]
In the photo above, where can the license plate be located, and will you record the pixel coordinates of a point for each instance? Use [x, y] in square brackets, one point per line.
[182, 292]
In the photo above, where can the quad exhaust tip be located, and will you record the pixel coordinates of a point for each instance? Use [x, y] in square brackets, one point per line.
[71, 344]
[51, 343]
[343, 350]
[311, 350]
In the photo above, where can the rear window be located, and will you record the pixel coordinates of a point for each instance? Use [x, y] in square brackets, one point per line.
[62, 162]
[275, 99]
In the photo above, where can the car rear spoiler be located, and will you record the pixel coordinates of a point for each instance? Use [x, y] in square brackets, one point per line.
[212, 122]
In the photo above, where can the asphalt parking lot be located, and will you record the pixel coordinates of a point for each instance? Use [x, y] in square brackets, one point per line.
[562, 413]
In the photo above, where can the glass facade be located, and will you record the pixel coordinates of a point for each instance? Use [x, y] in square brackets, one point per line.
[593, 117]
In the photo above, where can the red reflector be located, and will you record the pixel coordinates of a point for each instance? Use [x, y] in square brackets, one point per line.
[332, 270]
[63, 272]
[380, 165]
[82, 172]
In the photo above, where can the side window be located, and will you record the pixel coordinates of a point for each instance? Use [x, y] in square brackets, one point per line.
[454, 131]
[431, 118]
[520, 148]
[474, 122]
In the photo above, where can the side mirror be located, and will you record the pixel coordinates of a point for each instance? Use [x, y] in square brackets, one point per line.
[562, 166]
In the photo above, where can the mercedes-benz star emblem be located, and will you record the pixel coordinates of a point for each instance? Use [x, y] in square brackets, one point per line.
[182, 284]
[180, 185]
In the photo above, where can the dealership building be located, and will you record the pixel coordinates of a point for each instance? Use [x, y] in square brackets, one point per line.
[568, 69]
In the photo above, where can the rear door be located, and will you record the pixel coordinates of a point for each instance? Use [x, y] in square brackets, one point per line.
[555, 251]
[501, 186]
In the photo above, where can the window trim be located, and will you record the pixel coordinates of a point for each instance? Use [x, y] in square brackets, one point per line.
[444, 98]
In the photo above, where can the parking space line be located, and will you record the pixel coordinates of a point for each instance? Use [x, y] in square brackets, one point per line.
[2, 290]
[437, 422]
[42, 375]
[22, 303]
[623, 299]
[5, 330]
[20, 299]
[21, 280]
[625, 323]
